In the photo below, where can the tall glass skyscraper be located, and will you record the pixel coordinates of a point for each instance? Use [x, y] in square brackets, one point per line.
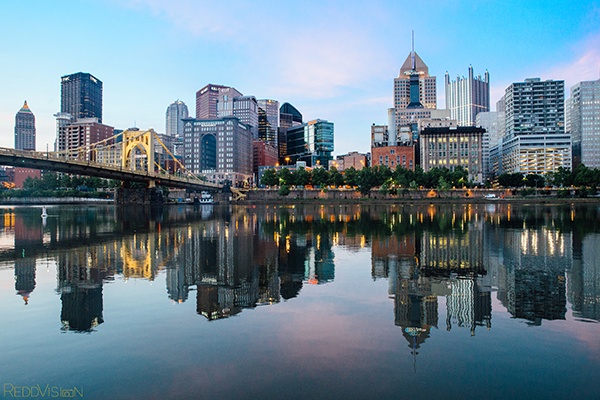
[25, 129]
[268, 120]
[466, 97]
[583, 110]
[81, 96]
[175, 113]
[311, 142]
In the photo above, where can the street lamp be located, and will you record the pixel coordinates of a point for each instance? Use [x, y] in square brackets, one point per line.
[287, 161]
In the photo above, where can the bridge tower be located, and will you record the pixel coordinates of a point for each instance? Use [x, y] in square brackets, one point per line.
[138, 151]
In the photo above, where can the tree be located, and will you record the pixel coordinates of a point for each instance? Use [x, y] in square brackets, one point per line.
[320, 177]
[285, 177]
[534, 180]
[269, 178]
[284, 190]
[351, 177]
[511, 180]
[301, 177]
[336, 178]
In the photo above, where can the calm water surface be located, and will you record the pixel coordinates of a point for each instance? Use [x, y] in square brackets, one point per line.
[307, 302]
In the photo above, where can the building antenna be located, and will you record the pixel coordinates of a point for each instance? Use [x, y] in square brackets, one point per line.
[412, 53]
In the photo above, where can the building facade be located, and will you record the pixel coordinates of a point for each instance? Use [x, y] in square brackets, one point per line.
[311, 142]
[533, 139]
[244, 108]
[394, 156]
[81, 96]
[489, 121]
[584, 123]
[77, 137]
[466, 97]
[354, 159]
[220, 149]
[450, 147]
[268, 120]
[25, 129]
[176, 112]
[289, 116]
[265, 154]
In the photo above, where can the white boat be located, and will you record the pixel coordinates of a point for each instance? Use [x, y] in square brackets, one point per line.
[205, 198]
[44, 213]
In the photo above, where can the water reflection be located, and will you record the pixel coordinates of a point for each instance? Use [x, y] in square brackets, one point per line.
[536, 258]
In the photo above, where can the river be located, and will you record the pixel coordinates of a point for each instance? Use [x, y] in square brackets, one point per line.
[469, 301]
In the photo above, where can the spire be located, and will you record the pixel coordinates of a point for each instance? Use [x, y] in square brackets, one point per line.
[412, 53]
[25, 108]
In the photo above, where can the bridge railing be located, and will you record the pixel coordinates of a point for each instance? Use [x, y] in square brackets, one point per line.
[60, 157]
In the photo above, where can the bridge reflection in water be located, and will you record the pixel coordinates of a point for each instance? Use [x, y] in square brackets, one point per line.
[242, 257]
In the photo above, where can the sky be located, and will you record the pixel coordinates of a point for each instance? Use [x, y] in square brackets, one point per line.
[334, 60]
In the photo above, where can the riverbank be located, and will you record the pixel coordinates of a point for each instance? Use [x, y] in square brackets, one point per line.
[343, 196]
[12, 201]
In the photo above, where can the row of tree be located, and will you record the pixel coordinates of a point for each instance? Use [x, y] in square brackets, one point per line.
[55, 185]
[440, 178]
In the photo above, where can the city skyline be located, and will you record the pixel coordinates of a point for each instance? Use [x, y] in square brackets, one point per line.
[332, 71]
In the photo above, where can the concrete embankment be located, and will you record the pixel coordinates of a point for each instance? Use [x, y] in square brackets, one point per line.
[53, 200]
[271, 196]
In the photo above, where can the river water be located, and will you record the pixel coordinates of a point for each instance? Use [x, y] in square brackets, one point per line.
[494, 301]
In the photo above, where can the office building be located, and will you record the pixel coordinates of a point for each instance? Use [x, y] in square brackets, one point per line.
[414, 91]
[176, 112]
[220, 149]
[467, 96]
[533, 140]
[77, 137]
[289, 117]
[353, 159]
[207, 99]
[583, 119]
[450, 147]
[311, 142]
[244, 108]
[268, 120]
[81, 96]
[489, 122]
[25, 129]
[265, 154]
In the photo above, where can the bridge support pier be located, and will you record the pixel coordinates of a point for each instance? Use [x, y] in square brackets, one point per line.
[132, 196]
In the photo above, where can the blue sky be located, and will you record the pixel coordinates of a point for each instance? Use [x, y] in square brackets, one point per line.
[334, 60]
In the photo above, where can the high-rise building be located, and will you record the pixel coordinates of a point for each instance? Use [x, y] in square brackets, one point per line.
[488, 121]
[534, 140]
[176, 112]
[245, 108]
[414, 91]
[451, 147]
[583, 110]
[209, 96]
[268, 120]
[79, 135]
[220, 149]
[81, 96]
[311, 142]
[466, 97]
[25, 129]
[289, 117]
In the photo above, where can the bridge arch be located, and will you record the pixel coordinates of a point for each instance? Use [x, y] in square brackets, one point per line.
[138, 142]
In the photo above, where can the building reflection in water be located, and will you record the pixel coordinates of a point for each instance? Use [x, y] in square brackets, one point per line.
[534, 258]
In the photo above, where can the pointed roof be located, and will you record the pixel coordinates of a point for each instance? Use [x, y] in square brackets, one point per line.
[420, 66]
[25, 108]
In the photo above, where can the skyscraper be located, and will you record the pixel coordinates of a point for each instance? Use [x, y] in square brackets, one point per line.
[175, 113]
[81, 96]
[311, 142]
[208, 97]
[268, 120]
[25, 129]
[584, 123]
[466, 97]
[534, 140]
[289, 116]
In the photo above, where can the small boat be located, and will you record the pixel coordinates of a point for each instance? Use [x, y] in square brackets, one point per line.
[206, 198]
[44, 213]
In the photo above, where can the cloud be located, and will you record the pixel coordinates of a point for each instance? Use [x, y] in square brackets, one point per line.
[585, 66]
[315, 51]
